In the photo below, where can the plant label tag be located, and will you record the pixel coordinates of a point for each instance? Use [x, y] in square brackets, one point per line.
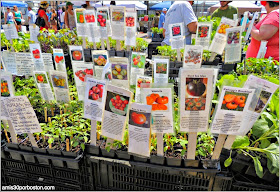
[10, 31]
[76, 54]
[161, 70]
[232, 109]
[130, 28]
[100, 58]
[34, 32]
[177, 35]
[116, 112]
[196, 86]
[93, 32]
[139, 129]
[94, 101]
[60, 86]
[233, 45]
[107, 72]
[36, 53]
[138, 61]
[80, 22]
[141, 82]
[117, 22]
[7, 90]
[120, 71]
[25, 64]
[219, 42]
[43, 85]
[162, 110]
[105, 28]
[10, 61]
[22, 115]
[48, 62]
[80, 71]
[192, 56]
[59, 60]
[203, 34]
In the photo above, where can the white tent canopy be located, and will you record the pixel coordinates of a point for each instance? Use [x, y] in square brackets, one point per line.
[128, 4]
[77, 3]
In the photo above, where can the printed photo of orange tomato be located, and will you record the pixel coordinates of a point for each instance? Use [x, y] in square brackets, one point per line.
[159, 103]
[234, 101]
[195, 104]
[139, 119]
[118, 16]
[223, 27]
[41, 78]
[80, 17]
[4, 88]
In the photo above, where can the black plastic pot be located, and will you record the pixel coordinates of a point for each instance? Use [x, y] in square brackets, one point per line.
[87, 54]
[29, 157]
[127, 54]
[176, 162]
[12, 145]
[210, 164]
[112, 53]
[158, 160]
[110, 154]
[178, 64]
[120, 53]
[123, 155]
[25, 148]
[140, 159]
[191, 163]
[4, 154]
[171, 64]
[57, 162]
[15, 155]
[92, 150]
[72, 164]
[70, 154]
[54, 152]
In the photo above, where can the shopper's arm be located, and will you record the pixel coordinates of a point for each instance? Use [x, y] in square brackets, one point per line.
[192, 27]
[5, 19]
[163, 33]
[46, 20]
[66, 20]
[265, 32]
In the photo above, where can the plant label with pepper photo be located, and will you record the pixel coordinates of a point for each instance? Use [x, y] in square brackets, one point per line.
[139, 129]
[59, 82]
[35, 50]
[192, 56]
[7, 87]
[43, 85]
[161, 70]
[100, 58]
[140, 81]
[203, 34]
[120, 71]
[116, 112]
[76, 53]
[59, 60]
[94, 100]
[117, 22]
[232, 111]
[196, 95]
[80, 22]
[161, 101]
[80, 72]
[233, 45]
[138, 61]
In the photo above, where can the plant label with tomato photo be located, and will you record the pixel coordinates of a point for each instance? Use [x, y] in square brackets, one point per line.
[94, 100]
[177, 35]
[43, 85]
[140, 81]
[192, 56]
[203, 34]
[25, 64]
[60, 86]
[80, 22]
[116, 112]
[117, 22]
[138, 61]
[232, 110]
[219, 42]
[93, 32]
[59, 60]
[162, 111]
[139, 129]
[35, 50]
[10, 31]
[80, 72]
[106, 11]
[260, 102]
[9, 60]
[100, 58]
[120, 71]
[107, 72]
[196, 96]
[161, 70]
[48, 62]
[130, 28]
[102, 24]
[22, 115]
[76, 53]
[233, 45]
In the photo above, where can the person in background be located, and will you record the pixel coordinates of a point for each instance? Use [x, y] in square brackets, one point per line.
[53, 20]
[267, 29]
[31, 16]
[59, 12]
[69, 18]
[242, 18]
[225, 10]
[191, 2]
[42, 14]
[113, 3]
[180, 12]
[162, 18]
[88, 5]
[49, 14]
[18, 17]
[9, 16]
[62, 18]
[155, 20]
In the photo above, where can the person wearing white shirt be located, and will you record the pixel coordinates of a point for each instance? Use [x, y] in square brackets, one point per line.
[31, 16]
[180, 12]
[62, 18]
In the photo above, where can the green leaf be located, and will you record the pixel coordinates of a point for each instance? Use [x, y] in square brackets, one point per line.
[260, 127]
[83, 146]
[270, 167]
[258, 167]
[76, 143]
[264, 143]
[228, 162]
[241, 141]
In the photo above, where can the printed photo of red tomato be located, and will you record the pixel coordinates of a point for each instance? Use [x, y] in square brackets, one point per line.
[41, 78]
[96, 92]
[99, 60]
[139, 119]
[176, 30]
[77, 55]
[36, 54]
[129, 21]
[203, 31]
[140, 81]
[101, 19]
[116, 103]
[81, 74]
[90, 18]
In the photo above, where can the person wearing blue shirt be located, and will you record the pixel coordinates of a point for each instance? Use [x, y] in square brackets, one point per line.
[49, 14]
[162, 18]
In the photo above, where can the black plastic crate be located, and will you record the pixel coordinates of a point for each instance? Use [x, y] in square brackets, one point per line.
[246, 186]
